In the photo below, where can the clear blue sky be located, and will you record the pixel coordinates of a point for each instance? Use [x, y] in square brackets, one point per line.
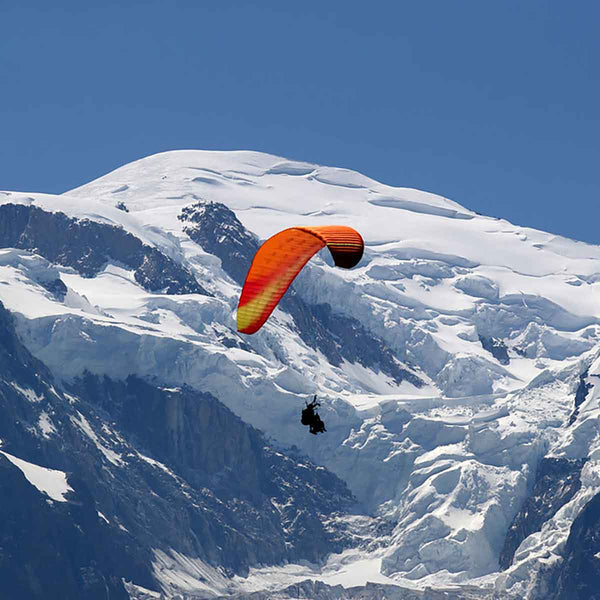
[493, 103]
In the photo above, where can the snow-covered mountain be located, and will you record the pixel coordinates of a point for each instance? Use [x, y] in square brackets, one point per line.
[457, 365]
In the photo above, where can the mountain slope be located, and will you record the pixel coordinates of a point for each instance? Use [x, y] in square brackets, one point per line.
[448, 361]
[178, 474]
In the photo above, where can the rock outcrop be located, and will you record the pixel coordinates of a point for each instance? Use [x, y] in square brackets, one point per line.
[88, 246]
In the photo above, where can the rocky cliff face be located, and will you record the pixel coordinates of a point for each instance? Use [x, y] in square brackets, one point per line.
[277, 502]
[148, 469]
[48, 548]
[580, 395]
[216, 228]
[577, 576]
[310, 590]
[88, 245]
[557, 481]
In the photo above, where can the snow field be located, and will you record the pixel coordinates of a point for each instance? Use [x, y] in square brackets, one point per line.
[50, 482]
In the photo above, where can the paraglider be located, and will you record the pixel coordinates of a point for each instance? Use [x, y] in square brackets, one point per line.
[281, 258]
[311, 418]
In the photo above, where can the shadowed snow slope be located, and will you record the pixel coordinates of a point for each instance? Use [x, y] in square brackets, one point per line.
[447, 361]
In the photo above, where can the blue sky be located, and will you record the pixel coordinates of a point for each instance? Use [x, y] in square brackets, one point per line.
[494, 104]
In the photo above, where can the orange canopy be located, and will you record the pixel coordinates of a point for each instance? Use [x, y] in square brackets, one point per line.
[280, 259]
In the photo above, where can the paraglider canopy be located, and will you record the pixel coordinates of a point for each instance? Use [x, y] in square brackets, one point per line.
[281, 258]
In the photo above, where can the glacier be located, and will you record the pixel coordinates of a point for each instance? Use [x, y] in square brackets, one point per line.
[480, 333]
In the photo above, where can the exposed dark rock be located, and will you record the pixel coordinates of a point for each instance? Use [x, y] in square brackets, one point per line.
[233, 342]
[54, 550]
[497, 348]
[577, 576]
[520, 351]
[216, 228]
[56, 287]
[317, 590]
[557, 481]
[580, 395]
[158, 273]
[88, 245]
[344, 338]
